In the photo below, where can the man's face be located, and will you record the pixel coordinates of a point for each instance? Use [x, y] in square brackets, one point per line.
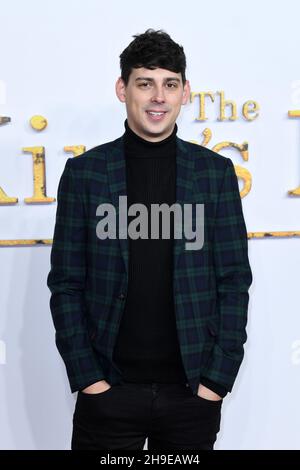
[153, 91]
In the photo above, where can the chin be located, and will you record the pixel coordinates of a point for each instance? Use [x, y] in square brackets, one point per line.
[155, 132]
[157, 128]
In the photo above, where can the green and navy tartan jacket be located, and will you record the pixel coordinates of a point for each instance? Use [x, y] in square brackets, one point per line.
[88, 276]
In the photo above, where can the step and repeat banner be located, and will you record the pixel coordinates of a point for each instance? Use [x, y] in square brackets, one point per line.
[58, 66]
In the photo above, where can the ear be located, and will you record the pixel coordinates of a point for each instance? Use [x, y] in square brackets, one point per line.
[186, 92]
[121, 90]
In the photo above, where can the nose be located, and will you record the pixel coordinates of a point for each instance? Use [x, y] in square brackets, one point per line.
[158, 95]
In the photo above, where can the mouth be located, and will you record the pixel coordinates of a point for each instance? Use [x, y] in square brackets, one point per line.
[155, 116]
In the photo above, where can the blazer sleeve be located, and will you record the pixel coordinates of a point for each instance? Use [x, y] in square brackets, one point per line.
[233, 277]
[66, 281]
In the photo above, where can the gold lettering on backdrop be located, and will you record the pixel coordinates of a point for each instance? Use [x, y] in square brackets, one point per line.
[296, 114]
[240, 171]
[206, 137]
[38, 123]
[4, 198]
[39, 179]
[20, 242]
[290, 234]
[202, 95]
[226, 103]
[250, 107]
[76, 150]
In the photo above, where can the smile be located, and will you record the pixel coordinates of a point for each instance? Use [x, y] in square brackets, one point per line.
[156, 115]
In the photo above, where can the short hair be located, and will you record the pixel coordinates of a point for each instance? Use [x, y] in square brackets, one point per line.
[151, 50]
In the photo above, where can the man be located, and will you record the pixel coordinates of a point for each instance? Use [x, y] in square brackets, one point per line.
[151, 333]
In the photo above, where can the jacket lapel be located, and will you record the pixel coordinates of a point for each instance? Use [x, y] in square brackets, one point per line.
[184, 188]
[116, 170]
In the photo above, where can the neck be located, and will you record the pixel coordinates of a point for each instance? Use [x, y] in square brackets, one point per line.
[132, 134]
[138, 147]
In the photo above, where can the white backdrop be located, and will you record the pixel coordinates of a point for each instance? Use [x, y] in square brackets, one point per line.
[61, 60]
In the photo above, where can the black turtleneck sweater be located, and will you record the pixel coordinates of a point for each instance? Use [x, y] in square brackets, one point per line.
[147, 346]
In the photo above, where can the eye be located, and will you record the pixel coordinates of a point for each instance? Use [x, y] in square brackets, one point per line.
[144, 84]
[173, 85]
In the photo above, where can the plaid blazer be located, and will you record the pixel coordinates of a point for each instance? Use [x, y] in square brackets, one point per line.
[88, 276]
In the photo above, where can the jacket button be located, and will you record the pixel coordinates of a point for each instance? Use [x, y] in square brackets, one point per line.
[121, 296]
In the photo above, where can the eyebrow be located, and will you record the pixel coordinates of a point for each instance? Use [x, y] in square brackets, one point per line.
[167, 79]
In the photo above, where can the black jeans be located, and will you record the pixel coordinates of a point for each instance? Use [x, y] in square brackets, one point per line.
[123, 416]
